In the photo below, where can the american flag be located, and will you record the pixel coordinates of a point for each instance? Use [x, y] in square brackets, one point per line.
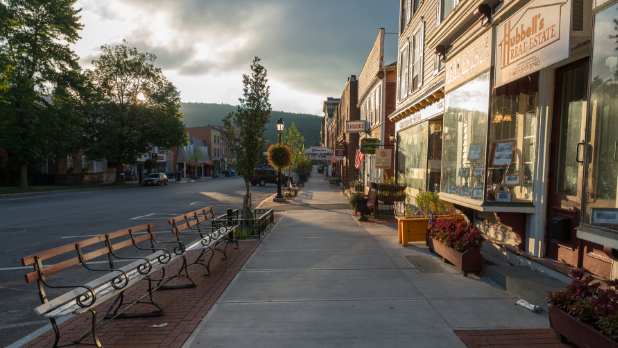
[359, 158]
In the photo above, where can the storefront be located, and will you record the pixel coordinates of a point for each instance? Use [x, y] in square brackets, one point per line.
[515, 127]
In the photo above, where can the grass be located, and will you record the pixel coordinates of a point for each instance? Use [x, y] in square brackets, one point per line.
[16, 189]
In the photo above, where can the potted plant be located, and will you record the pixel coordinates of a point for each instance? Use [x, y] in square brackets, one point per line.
[458, 242]
[585, 313]
[413, 225]
[353, 199]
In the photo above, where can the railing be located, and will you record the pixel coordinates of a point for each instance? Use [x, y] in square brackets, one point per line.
[249, 227]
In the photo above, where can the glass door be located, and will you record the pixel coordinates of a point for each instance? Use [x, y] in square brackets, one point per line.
[566, 166]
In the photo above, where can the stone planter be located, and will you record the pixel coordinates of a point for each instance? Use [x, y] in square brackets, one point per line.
[361, 206]
[469, 261]
[581, 334]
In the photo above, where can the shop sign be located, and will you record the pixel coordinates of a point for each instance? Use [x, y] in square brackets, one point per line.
[355, 126]
[369, 145]
[383, 158]
[340, 150]
[319, 150]
[432, 110]
[533, 38]
[471, 61]
[318, 156]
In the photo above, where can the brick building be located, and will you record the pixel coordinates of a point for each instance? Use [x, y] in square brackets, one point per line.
[376, 100]
[346, 111]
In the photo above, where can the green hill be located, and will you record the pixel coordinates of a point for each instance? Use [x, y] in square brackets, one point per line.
[204, 114]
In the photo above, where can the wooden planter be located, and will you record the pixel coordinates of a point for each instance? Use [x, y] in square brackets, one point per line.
[383, 198]
[411, 229]
[581, 334]
[392, 187]
[469, 261]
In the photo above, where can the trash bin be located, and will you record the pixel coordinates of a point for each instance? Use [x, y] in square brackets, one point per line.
[177, 176]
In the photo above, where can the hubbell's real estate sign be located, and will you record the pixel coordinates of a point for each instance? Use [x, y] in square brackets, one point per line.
[355, 126]
[533, 38]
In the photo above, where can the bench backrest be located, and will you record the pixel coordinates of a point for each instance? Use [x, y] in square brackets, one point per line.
[77, 248]
[367, 189]
[373, 193]
[191, 219]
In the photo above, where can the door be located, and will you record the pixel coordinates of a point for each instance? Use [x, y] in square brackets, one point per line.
[566, 163]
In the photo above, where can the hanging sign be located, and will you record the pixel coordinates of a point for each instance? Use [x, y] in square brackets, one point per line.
[369, 145]
[319, 150]
[355, 126]
[383, 158]
[536, 36]
[340, 150]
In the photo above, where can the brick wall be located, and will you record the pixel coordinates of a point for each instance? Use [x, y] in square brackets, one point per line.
[207, 134]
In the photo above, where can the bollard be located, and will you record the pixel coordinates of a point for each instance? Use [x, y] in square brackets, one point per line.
[230, 214]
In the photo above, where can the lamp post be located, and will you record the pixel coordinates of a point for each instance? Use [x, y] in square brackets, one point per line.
[279, 130]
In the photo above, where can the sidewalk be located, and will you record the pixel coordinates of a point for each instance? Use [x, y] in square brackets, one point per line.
[321, 279]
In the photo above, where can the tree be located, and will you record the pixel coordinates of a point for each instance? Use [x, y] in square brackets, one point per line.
[294, 141]
[34, 59]
[138, 110]
[251, 117]
[197, 158]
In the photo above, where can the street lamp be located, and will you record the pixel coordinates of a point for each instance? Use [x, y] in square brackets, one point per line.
[279, 130]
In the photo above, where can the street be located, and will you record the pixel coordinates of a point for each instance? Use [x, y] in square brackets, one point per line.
[32, 224]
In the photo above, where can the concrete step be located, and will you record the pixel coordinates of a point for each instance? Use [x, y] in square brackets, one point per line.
[526, 283]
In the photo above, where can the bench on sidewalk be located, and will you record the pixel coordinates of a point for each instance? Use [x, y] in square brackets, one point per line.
[211, 232]
[83, 298]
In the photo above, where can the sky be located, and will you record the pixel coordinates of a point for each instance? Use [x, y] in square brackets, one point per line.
[309, 47]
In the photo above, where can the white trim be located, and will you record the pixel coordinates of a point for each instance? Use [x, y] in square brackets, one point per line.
[477, 205]
[596, 236]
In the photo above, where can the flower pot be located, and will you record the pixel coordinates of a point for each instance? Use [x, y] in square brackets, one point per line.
[470, 260]
[361, 206]
[581, 334]
[411, 229]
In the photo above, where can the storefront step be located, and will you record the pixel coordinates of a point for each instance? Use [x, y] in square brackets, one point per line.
[525, 283]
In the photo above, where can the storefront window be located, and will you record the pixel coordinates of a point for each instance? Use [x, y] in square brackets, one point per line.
[512, 131]
[412, 156]
[465, 138]
[602, 172]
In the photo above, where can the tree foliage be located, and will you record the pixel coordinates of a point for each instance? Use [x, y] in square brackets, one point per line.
[292, 138]
[35, 62]
[138, 108]
[250, 118]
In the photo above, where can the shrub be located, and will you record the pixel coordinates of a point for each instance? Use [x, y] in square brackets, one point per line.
[353, 198]
[589, 303]
[460, 236]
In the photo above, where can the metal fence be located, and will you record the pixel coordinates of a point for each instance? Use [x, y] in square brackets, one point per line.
[250, 227]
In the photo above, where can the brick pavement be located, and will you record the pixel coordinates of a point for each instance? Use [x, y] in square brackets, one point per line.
[184, 308]
[532, 338]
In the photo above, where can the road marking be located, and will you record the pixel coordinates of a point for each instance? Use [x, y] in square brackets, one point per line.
[10, 326]
[151, 216]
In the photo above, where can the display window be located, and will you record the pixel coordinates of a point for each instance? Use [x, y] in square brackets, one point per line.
[412, 156]
[511, 145]
[601, 181]
[464, 137]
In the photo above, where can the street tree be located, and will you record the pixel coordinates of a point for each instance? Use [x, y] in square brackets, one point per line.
[138, 107]
[35, 58]
[244, 128]
[292, 138]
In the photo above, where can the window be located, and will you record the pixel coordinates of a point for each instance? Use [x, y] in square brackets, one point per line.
[600, 207]
[513, 119]
[412, 156]
[404, 15]
[417, 4]
[70, 163]
[415, 61]
[438, 64]
[403, 72]
[447, 7]
[378, 110]
[465, 129]
[84, 162]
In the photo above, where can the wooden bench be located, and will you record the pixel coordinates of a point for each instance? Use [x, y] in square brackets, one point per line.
[115, 281]
[211, 232]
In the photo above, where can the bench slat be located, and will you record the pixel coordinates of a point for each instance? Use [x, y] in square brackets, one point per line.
[125, 232]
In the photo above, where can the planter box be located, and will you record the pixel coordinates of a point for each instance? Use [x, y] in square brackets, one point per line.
[469, 261]
[391, 199]
[411, 229]
[581, 334]
[392, 187]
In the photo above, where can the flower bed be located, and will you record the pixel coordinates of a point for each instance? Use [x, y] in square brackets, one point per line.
[458, 242]
[585, 313]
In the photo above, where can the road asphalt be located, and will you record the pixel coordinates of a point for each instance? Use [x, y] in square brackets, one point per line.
[31, 224]
[319, 279]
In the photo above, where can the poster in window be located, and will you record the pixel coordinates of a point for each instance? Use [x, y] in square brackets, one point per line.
[464, 172]
[477, 194]
[604, 216]
[503, 196]
[478, 171]
[511, 179]
[475, 152]
[465, 191]
[503, 153]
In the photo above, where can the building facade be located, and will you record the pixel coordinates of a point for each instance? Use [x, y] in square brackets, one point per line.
[344, 114]
[376, 100]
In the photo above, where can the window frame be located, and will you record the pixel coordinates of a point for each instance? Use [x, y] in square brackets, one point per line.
[402, 77]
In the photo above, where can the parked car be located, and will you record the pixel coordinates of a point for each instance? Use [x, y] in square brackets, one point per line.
[155, 179]
[265, 176]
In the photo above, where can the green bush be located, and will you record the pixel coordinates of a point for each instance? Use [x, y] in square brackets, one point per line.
[353, 198]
